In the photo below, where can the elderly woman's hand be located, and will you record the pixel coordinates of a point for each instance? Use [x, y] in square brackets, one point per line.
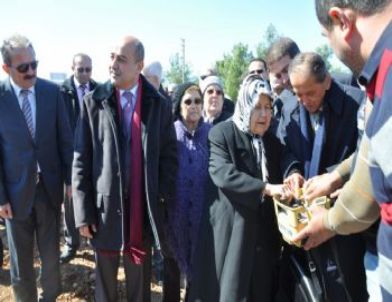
[280, 191]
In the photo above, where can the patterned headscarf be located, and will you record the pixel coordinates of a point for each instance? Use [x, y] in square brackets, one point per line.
[251, 88]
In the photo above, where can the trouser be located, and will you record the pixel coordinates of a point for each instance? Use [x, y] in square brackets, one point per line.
[340, 268]
[137, 277]
[71, 233]
[171, 280]
[43, 224]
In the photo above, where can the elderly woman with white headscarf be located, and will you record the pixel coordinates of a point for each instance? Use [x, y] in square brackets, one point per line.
[240, 244]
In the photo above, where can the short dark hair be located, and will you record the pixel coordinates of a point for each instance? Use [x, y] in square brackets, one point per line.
[12, 43]
[282, 47]
[258, 60]
[310, 62]
[363, 7]
[139, 51]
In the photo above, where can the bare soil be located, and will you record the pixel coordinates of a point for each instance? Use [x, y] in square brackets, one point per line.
[78, 277]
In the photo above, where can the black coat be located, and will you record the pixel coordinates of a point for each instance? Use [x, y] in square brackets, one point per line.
[239, 243]
[70, 96]
[97, 169]
[341, 129]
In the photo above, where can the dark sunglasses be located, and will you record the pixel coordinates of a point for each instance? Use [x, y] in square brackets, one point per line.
[211, 91]
[257, 71]
[24, 67]
[188, 102]
[85, 69]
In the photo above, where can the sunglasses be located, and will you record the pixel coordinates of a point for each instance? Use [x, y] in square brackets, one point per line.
[188, 102]
[257, 71]
[84, 69]
[211, 91]
[24, 67]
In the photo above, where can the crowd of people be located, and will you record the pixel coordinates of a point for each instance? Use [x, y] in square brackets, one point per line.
[189, 174]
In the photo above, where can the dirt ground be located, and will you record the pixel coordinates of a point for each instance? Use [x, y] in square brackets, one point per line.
[77, 277]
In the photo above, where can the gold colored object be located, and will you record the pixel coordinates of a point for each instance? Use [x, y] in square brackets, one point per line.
[294, 214]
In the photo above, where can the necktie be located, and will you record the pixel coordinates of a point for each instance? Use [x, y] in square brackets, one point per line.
[83, 88]
[26, 109]
[127, 114]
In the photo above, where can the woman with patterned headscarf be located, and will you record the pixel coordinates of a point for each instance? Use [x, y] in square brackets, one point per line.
[240, 245]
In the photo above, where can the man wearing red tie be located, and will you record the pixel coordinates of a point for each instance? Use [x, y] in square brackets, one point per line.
[124, 172]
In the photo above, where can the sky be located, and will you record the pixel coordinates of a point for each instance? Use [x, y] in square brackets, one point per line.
[60, 28]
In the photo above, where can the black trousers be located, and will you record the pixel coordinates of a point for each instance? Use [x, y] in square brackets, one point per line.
[43, 224]
[137, 277]
[171, 280]
[71, 233]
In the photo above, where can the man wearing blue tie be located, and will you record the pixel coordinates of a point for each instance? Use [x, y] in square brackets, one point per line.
[319, 131]
[35, 161]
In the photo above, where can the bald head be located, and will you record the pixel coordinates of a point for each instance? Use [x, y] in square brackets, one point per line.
[126, 62]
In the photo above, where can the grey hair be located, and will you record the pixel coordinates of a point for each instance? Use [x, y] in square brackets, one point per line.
[153, 69]
[251, 88]
[309, 62]
[363, 7]
[12, 43]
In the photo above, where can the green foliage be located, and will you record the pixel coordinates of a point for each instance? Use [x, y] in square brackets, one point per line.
[233, 67]
[270, 36]
[178, 73]
[326, 53]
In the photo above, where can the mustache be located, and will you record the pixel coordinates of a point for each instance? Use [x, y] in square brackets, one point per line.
[29, 77]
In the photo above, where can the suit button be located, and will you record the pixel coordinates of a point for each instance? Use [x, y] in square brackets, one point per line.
[119, 212]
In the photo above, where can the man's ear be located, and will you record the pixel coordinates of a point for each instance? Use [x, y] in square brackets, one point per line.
[6, 68]
[343, 19]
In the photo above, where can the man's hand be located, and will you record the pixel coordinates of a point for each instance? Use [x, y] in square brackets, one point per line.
[281, 191]
[68, 191]
[6, 211]
[88, 231]
[294, 182]
[315, 232]
[322, 185]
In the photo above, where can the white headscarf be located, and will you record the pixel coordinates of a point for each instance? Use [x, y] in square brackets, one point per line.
[248, 97]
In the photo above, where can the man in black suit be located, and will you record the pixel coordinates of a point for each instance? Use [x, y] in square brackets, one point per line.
[36, 156]
[74, 89]
[124, 171]
[319, 130]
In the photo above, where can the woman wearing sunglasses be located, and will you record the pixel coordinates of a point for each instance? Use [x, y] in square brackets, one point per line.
[213, 99]
[184, 214]
[239, 248]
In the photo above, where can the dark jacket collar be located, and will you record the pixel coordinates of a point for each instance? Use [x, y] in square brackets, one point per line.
[106, 91]
[373, 62]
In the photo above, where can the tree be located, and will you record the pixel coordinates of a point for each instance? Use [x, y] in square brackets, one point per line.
[326, 53]
[270, 36]
[178, 73]
[233, 67]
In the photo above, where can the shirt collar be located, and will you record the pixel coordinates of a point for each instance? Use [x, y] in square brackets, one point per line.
[133, 90]
[17, 89]
[373, 62]
[77, 84]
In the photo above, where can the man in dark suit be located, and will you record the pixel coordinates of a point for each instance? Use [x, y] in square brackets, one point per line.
[124, 173]
[74, 89]
[319, 131]
[36, 156]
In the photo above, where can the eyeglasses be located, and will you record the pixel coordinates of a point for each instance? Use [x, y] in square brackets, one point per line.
[24, 67]
[211, 91]
[257, 71]
[263, 110]
[84, 69]
[188, 102]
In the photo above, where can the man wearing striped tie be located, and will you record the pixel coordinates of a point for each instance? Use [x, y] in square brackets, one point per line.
[35, 161]
[74, 89]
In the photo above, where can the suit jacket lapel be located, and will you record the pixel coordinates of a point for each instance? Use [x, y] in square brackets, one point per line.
[13, 109]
